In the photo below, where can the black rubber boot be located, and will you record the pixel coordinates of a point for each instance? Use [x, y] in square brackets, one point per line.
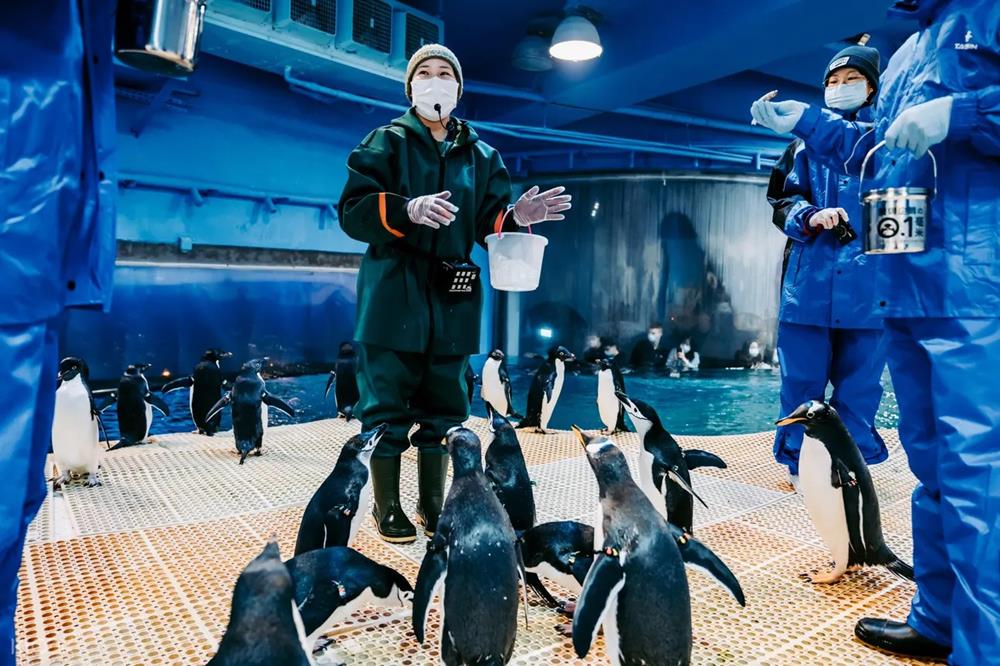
[390, 519]
[899, 638]
[432, 468]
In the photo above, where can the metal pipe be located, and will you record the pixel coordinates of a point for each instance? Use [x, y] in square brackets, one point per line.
[672, 176]
[128, 180]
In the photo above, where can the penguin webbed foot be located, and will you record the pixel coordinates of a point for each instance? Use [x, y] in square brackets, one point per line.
[565, 629]
[93, 481]
[823, 578]
[567, 608]
[322, 644]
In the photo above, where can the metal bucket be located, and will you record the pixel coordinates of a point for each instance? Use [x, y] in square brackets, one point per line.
[895, 218]
[160, 36]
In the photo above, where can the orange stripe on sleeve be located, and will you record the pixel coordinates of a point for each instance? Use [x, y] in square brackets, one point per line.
[384, 218]
[498, 225]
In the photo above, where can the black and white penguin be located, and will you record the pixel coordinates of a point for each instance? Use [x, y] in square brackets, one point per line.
[135, 406]
[609, 383]
[332, 583]
[839, 495]
[76, 426]
[561, 552]
[664, 466]
[265, 627]
[343, 501]
[636, 585]
[545, 389]
[345, 374]
[249, 400]
[507, 471]
[474, 562]
[206, 384]
[496, 384]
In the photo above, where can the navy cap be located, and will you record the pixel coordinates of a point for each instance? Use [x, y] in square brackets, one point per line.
[865, 59]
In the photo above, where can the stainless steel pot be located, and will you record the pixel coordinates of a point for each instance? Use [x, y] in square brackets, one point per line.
[895, 218]
[160, 36]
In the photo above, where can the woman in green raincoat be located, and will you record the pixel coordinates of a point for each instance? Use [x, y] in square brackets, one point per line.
[420, 192]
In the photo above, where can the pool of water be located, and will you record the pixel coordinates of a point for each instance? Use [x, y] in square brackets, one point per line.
[712, 402]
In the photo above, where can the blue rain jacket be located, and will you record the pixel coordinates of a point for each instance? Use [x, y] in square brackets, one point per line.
[825, 283]
[57, 172]
[956, 52]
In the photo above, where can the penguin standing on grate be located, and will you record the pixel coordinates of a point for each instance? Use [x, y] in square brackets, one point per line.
[206, 384]
[496, 384]
[76, 426]
[664, 466]
[545, 389]
[249, 400]
[839, 495]
[344, 377]
[343, 501]
[135, 405]
[610, 382]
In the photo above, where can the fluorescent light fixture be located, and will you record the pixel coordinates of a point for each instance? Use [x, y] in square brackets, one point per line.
[545, 332]
[576, 40]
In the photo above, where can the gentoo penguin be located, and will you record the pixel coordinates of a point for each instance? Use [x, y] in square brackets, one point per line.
[332, 583]
[342, 503]
[496, 384]
[508, 473]
[345, 374]
[839, 494]
[474, 562]
[76, 426]
[249, 399]
[206, 384]
[664, 467]
[471, 379]
[135, 406]
[545, 389]
[265, 628]
[610, 382]
[636, 585]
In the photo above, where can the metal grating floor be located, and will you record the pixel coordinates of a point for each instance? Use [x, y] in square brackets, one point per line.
[140, 570]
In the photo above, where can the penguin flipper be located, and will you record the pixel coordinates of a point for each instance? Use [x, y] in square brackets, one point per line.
[697, 555]
[535, 583]
[177, 384]
[602, 585]
[429, 580]
[277, 403]
[697, 458]
[337, 522]
[157, 402]
[683, 483]
[329, 383]
[218, 406]
[109, 400]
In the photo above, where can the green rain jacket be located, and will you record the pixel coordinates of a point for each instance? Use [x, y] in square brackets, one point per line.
[398, 306]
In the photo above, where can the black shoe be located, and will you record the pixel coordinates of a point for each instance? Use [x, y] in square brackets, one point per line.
[390, 519]
[432, 468]
[899, 638]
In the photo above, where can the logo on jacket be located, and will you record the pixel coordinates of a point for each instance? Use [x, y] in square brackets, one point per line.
[968, 45]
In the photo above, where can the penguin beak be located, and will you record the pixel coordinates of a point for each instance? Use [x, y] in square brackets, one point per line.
[798, 416]
[580, 436]
[375, 436]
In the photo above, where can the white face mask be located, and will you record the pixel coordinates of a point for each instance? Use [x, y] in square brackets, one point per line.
[428, 93]
[654, 337]
[754, 350]
[847, 96]
[685, 348]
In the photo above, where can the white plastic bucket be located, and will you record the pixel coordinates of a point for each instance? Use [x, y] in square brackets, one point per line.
[515, 260]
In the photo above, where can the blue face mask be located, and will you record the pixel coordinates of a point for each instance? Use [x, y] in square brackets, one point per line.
[847, 96]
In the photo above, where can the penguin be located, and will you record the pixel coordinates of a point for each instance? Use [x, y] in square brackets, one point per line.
[249, 399]
[839, 495]
[545, 389]
[474, 562]
[206, 384]
[471, 379]
[664, 467]
[561, 552]
[135, 406]
[342, 503]
[345, 374]
[636, 585]
[496, 385]
[610, 382]
[508, 473]
[265, 627]
[330, 584]
[76, 426]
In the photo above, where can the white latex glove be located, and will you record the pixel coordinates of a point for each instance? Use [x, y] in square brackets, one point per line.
[534, 207]
[432, 210]
[919, 127]
[827, 218]
[780, 117]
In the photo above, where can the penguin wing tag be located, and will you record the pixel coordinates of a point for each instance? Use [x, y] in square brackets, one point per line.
[157, 401]
[600, 589]
[697, 555]
[429, 579]
[277, 403]
[696, 458]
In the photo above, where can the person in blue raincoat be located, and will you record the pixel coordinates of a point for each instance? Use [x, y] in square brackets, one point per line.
[57, 243]
[827, 331]
[940, 92]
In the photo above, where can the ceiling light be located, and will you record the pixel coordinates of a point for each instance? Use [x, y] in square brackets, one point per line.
[576, 40]
[532, 54]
